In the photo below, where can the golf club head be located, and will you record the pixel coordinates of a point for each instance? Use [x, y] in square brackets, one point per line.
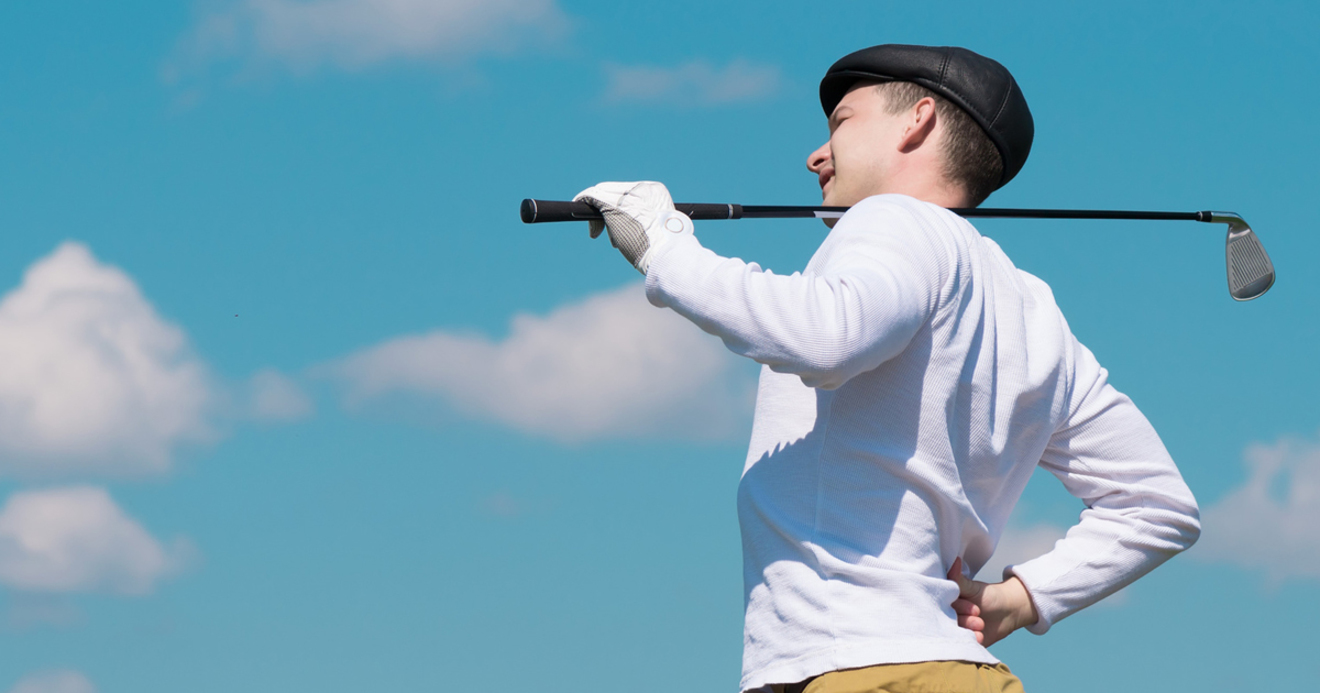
[1250, 272]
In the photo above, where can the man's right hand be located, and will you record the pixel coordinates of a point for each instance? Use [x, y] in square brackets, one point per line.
[991, 610]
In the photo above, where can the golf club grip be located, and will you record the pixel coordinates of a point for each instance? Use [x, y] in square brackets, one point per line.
[539, 211]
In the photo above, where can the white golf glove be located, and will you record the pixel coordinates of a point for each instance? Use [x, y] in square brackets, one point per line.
[640, 217]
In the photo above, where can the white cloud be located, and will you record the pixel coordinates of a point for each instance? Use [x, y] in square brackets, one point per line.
[274, 397]
[1019, 544]
[1270, 523]
[91, 378]
[610, 366]
[58, 681]
[696, 83]
[76, 539]
[303, 35]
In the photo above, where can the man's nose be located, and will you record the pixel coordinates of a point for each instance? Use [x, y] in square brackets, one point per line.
[817, 159]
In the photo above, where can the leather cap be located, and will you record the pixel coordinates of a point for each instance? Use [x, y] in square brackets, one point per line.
[978, 85]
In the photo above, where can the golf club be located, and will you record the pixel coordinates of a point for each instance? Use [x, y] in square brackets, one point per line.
[1250, 272]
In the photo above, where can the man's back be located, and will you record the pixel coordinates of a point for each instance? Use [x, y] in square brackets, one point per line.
[914, 380]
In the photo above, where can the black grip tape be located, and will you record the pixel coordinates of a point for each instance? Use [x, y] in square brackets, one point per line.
[540, 211]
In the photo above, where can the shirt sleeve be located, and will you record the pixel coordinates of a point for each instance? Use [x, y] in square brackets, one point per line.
[1139, 511]
[885, 264]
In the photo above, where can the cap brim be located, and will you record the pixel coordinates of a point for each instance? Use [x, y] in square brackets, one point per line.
[836, 85]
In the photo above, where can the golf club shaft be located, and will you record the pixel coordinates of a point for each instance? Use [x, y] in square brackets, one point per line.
[539, 211]
[1250, 272]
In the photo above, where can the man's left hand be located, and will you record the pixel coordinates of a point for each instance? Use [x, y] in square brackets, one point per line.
[991, 610]
[639, 216]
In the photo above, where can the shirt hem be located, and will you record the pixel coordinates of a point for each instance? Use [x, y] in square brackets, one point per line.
[865, 654]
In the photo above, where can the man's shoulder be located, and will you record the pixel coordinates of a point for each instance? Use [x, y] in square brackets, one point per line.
[907, 220]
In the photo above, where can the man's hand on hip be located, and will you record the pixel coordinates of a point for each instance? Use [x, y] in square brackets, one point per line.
[991, 610]
[640, 217]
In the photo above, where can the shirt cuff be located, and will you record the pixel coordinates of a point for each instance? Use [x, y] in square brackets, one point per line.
[1047, 610]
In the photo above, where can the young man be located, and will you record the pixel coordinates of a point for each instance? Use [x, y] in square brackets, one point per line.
[913, 378]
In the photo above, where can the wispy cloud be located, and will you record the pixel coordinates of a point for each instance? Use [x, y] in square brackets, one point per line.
[77, 539]
[610, 366]
[695, 83]
[91, 378]
[271, 396]
[56, 681]
[305, 35]
[1271, 523]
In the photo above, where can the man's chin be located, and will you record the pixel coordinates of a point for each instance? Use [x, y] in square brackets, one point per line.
[834, 197]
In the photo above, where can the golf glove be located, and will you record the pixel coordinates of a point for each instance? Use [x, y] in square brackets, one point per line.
[640, 217]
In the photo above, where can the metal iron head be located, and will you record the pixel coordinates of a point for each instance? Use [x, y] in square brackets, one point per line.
[1250, 272]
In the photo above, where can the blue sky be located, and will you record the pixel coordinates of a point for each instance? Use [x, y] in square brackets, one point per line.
[292, 401]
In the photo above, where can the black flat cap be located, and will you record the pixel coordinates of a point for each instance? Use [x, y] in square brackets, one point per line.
[978, 85]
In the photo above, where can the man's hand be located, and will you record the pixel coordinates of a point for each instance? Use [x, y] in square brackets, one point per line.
[991, 610]
[639, 216]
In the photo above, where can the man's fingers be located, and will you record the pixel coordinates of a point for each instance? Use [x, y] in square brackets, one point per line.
[596, 226]
[955, 571]
[966, 607]
[969, 611]
[971, 589]
[967, 588]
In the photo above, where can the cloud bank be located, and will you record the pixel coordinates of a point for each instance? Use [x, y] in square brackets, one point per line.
[303, 35]
[76, 539]
[610, 366]
[91, 378]
[1271, 523]
[696, 83]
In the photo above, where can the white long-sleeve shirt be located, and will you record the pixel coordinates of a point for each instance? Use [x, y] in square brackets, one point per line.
[913, 378]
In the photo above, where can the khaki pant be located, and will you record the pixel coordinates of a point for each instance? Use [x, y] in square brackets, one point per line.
[920, 677]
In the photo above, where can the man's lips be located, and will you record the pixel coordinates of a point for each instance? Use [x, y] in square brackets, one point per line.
[826, 175]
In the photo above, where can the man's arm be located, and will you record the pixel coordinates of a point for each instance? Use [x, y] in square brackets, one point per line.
[885, 271]
[1139, 511]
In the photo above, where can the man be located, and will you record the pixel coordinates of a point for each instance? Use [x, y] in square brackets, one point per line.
[913, 379]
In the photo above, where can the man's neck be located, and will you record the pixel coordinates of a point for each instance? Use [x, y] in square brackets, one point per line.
[932, 191]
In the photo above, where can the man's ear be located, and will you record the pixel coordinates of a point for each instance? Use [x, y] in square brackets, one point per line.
[920, 124]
